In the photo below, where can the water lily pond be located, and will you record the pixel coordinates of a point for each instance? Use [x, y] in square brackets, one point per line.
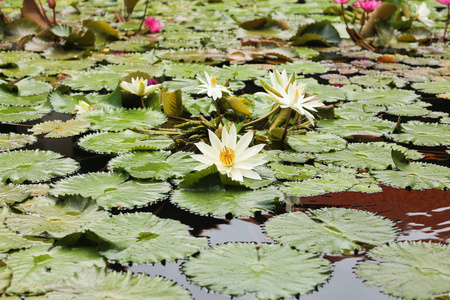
[218, 149]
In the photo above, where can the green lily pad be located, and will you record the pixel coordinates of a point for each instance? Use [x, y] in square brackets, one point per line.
[10, 141]
[111, 189]
[217, 201]
[94, 81]
[331, 230]
[433, 87]
[266, 271]
[159, 165]
[304, 67]
[5, 278]
[98, 283]
[38, 269]
[384, 96]
[316, 142]
[122, 119]
[11, 193]
[21, 114]
[145, 238]
[31, 87]
[8, 239]
[34, 166]
[58, 128]
[411, 270]
[350, 127]
[54, 218]
[378, 81]
[286, 155]
[417, 176]
[11, 98]
[124, 141]
[426, 134]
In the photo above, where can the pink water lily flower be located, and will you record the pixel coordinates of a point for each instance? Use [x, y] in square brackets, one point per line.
[367, 5]
[153, 24]
[341, 1]
[445, 2]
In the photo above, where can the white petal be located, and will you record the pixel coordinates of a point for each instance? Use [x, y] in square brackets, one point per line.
[250, 174]
[248, 153]
[243, 143]
[215, 143]
[236, 175]
[207, 150]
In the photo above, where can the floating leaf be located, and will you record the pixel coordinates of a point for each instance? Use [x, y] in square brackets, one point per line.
[291, 172]
[10, 141]
[331, 230]
[268, 271]
[10, 194]
[434, 87]
[38, 269]
[217, 201]
[159, 165]
[94, 81]
[58, 128]
[5, 278]
[98, 283]
[124, 141]
[350, 127]
[285, 155]
[11, 98]
[388, 97]
[417, 176]
[122, 119]
[420, 133]
[304, 67]
[411, 270]
[34, 166]
[54, 218]
[31, 87]
[322, 33]
[145, 238]
[378, 81]
[316, 142]
[10, 240]
[111, 190]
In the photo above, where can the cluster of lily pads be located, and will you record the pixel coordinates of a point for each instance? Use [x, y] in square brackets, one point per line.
[225, 115]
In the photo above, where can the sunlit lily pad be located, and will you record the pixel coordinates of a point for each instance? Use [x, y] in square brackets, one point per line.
[383, 97]
[34, 166]
[217, 201]
[21, 114]
[9, 239]
[285, 155]
[122, 119]
[58, 128]
[417, 176]
[304, 67]
[11, 98]
[145, 238]
[410, 270]
[5, 278]
[94, 81]
[348, 128]
[12, 193]
[54, 218]
[111, 189]
[159, 165]
[98, 283]
[291, 172]
[38, 269]
[31, 87]
[378, 81]
[316, 142]
[408, 110]
[331, 230]
[267, 271]
[358, 110]
[434, 87]
[420, 133]
[10, 141]
[124, 141]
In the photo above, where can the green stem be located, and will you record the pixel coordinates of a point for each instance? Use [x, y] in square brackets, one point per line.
[446, 24]
[142, 102]
[286, 127]
[263, 117]
[143, 17]
[218, 112]
[343, 15]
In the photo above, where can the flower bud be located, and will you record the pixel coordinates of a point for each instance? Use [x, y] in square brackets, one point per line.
[51, 3]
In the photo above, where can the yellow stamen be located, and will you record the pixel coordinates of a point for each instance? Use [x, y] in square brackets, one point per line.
[213, 81]
[227, 156]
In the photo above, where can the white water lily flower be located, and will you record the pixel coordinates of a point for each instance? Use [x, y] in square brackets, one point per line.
[295, 98]
[211, 87]
[422, 13]
[139, 86]
[82, 107]
[231, 158]
[279, 82]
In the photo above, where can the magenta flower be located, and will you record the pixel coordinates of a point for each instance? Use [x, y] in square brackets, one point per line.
[445, 2]
[368, 5]
[153, 24]
[341, 1]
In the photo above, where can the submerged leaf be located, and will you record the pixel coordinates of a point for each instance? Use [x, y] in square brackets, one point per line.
[331, 230]
[267, 271]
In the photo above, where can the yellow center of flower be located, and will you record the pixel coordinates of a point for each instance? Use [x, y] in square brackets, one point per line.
[227, 156]
[213, 81]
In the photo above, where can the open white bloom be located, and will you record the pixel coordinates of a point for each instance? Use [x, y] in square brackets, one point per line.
[422, 13]
[295, 98]
[279, 82]
[231, 158]
[138, 86]
[211, 87]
